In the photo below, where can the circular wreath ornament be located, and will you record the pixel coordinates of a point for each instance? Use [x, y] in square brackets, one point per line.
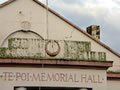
[52, 48]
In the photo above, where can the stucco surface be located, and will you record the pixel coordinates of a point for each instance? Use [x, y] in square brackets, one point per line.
[13, 15]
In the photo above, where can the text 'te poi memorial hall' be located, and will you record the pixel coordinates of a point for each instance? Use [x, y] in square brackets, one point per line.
[41, 50]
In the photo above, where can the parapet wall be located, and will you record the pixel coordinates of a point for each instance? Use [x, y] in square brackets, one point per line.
[53, 49]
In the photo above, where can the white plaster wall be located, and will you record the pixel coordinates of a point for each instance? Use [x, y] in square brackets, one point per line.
[11, 19]
[113, 85]
[62, 30]
[12, 15]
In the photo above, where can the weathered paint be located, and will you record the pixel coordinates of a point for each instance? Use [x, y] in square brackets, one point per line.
[52, 77]
[35, 48]
[28, 10]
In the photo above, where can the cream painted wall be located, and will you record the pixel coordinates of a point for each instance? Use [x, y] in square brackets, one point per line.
[12, 15]
[13, 77]
[113, 85]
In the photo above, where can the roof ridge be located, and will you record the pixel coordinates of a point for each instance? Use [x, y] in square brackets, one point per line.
[78, 28]
[67, 21]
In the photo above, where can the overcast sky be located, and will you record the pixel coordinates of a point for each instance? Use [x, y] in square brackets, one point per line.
[84, 13]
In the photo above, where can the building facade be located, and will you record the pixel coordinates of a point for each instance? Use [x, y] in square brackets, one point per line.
[43, 50]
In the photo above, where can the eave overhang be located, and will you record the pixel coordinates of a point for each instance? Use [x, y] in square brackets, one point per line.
[115, 76]
[56, 63]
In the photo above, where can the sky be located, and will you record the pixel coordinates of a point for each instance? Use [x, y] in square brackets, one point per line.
[83, 13]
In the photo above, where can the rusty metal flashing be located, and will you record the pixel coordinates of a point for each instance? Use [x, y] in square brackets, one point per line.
[6, 3]
[64, 19]
[56, 63]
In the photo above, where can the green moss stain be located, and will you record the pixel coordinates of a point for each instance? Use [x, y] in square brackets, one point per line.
[3, 52]
[102, 56]
[35, 48]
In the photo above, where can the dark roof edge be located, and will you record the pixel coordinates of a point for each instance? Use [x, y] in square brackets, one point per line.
[58, 15]
[6, 3]
[75, 26]
[113, 76]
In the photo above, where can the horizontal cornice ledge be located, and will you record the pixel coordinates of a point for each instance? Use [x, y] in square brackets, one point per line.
[60, 63]
[113, 76]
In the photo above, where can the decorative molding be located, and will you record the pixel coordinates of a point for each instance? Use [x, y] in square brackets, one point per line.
[56, 63]
[36, 48]
[52, 44]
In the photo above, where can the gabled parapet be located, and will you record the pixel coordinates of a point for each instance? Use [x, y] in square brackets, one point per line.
[53, 49]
